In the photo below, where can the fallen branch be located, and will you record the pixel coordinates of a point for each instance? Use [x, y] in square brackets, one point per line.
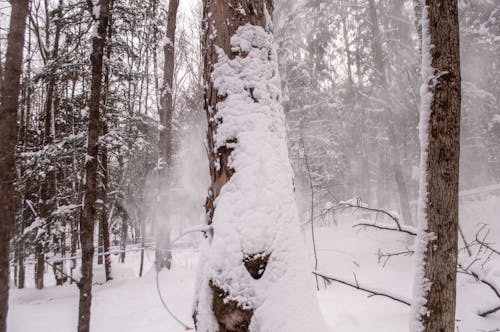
[357, 286]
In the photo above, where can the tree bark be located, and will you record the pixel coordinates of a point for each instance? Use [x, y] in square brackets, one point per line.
[164, 256]
[8, 131]
[438, 227]
[104, 224]
[89, 210]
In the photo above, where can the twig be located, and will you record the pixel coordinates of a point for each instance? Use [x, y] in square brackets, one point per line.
[388, 256]
[489, 311]
[387, 228]
[357, 286]
[359, 205]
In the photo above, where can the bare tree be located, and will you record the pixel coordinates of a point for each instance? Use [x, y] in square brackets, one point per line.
[436, 247]
[8, 131]
[100, 16]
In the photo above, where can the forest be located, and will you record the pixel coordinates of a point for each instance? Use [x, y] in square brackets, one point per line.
[250, 165]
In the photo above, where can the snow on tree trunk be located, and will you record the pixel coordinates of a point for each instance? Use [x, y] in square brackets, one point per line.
[253, 274]
[100, 15]
[436, 247]
[9, 104]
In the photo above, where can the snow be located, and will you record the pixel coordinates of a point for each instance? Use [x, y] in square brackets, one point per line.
[131, 304]
[166, 41]
[96, 9]
[256, 211]
[421, 284]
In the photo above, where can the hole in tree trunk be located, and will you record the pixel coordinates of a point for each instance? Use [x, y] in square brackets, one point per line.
[256, 264]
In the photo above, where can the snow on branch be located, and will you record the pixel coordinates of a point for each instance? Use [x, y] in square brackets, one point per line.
[356, 285]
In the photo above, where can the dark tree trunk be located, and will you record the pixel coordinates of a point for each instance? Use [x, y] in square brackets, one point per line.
[163, 257]
[89, 210]
[123, 238]
[8, 131]
[39, 264]
[104, 224]
[442, 163]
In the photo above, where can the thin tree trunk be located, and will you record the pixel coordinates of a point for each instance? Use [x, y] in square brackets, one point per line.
[104, 229]
[123, 238]
[440, 151]
[163, 255]
[89, 210]
[8, 129]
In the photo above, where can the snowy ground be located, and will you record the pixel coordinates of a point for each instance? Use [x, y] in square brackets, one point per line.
[131, 304]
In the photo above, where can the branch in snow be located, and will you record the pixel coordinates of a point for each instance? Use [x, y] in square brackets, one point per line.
[468, 270]
[359, 287]
[482, 243]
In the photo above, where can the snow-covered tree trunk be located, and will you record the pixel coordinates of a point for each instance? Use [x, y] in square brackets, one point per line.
[435, 282]
[253, 273]
[100, 14]
[9, 104]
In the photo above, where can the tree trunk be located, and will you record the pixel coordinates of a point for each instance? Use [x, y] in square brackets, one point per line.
[104, 224]
[123, 238]
[89, 210]
[242, 86]
[8, 130]
[436, 247]
[164, 256]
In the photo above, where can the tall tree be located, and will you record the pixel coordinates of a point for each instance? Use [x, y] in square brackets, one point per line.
[255, 262]
[8, 131]
[165, 139]
[100, 15]
[435, 284]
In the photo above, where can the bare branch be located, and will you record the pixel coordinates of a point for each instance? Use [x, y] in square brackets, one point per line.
[357, 286]
[387, 228]
[469, 271]
[388, 256]
[489, 311]
[359, 205]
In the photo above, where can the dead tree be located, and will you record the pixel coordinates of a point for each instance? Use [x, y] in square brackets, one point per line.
[100, 16]
[436, 247]
[8, 131]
